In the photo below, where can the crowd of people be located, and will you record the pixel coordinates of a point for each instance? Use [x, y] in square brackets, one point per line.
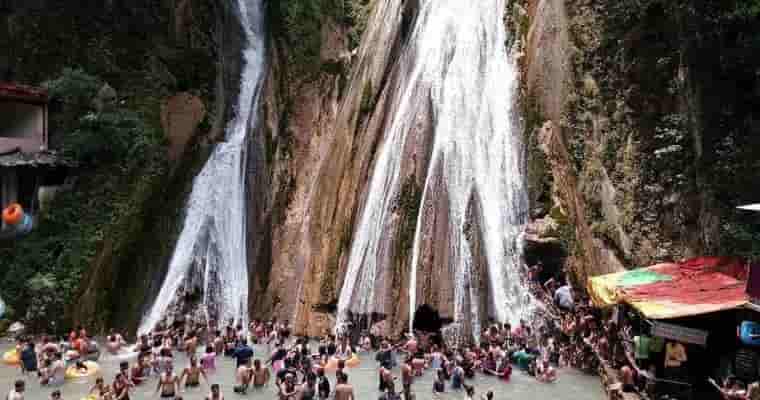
[300, 368]
[565, 332]
[578, 334]
[583, 337]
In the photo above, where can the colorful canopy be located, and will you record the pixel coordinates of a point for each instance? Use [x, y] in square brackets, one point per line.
[671, 290]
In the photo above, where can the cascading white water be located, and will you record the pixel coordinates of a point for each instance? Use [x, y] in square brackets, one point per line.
[462, 69]
[211, 249]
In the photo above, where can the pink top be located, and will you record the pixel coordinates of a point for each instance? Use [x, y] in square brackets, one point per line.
[208, 361]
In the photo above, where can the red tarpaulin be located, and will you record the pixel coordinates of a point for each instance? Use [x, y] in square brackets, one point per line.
[23, 93]
[671, 290]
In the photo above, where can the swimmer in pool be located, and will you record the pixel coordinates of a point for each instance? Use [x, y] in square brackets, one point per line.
[192, 374]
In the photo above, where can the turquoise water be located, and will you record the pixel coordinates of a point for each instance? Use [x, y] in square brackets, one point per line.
[572, 385]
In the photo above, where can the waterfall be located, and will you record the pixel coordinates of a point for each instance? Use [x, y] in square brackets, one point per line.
[210, 256]
[461, 68]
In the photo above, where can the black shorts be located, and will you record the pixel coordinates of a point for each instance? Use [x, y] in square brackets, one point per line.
[192, 384]
[168, 395]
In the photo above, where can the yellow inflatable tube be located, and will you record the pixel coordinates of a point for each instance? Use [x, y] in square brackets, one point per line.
[352, 362]
[73, 372]
[11, 357]
[90, 397]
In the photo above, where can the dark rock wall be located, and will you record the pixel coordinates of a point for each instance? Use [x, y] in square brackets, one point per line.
[654, 102]
[148, 51]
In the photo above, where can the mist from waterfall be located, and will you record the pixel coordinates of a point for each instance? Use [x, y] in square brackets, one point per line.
[210, 254]
[461, 67]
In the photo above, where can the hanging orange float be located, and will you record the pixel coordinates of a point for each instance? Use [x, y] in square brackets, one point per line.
[13, 214]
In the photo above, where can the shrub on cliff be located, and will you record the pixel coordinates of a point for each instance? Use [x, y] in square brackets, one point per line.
[121, 164]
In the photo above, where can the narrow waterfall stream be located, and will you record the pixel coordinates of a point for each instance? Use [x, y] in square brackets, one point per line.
[209, 260]
[460, 66]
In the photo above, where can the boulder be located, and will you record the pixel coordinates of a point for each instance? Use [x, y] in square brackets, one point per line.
[180, 116]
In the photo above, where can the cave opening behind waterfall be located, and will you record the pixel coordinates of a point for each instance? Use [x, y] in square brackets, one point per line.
[427, 319]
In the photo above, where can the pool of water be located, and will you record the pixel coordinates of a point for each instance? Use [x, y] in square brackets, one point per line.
[572, 385]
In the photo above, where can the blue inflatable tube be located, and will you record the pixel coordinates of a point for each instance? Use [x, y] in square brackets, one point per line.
[749, 333]
[26, 225]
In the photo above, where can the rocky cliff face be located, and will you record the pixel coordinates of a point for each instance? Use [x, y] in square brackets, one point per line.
[634, 157]
[174, 63]
[325, 129]
[640, 125]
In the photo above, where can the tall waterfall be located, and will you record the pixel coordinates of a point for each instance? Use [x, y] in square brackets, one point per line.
[461, 68]
[210, 255]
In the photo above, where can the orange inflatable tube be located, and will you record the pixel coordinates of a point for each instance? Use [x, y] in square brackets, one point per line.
[352, 362]
[13, 214]
[11, 357]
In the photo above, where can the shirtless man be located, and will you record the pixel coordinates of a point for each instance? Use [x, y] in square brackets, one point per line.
[260, 374]
[287, 388]
[56, 372]
[121, 387]
[407, 375]
[216, 393]
[344, 390]
[114, 342]
[191, 343]
[48, 347]
[244, 375]
[411, 346]
[143, 346]
[192, 374]
[139, 371]
[628, 379]
[168, 384]
[218, 343]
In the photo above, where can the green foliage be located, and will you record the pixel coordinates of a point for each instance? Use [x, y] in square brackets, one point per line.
[298, 23]
[409, 208]
[71, 94]
[368, 102]
[74, 87]
[121, 162]
[355, 15]
[740, 236]
[302, 25]
[539, 171]
[108, 137]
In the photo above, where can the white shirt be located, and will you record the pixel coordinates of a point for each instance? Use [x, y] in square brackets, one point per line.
[564, 296]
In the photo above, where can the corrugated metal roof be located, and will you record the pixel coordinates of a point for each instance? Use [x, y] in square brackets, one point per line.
[15, 91]
[40, 159]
